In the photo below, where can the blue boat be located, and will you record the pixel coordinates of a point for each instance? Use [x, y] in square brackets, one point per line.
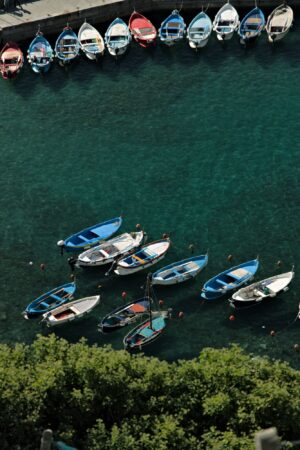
[229, 280]
[52, 299]
[199, 30]
[117, 37]
[146, 332]
[180, 271]
[172, 28]
[67, 46]
[91, 236]
[252, 25]
[40, 54]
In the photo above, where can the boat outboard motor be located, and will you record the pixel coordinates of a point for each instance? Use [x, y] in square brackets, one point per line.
[61, 245]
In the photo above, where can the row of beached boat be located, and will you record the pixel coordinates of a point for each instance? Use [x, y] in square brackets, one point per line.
[128, 253]
[119, 35]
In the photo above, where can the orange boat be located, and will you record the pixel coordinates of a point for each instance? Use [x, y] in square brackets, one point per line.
[11, 60]
[142, 29]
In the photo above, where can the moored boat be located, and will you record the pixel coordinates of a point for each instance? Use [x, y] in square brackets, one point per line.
[91, 41]
[226, 22]
[229, 280]
[261, 290]
[50, 300]
[146, 332]
[199, 30]
[70, 311]
[108, 251]
[40, 54]
[145, 257]
[279, 22]
[67, 46]
[125, 315]
[172, 29]
[180, 271]
[91, 236]
[11, 60]
[117, 37]
[251, 26]
[142, 30]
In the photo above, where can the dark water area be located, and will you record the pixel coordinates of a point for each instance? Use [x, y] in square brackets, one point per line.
[204, 146]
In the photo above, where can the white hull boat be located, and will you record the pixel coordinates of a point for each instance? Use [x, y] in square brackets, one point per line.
[142, 259]
[199, 31]
[226, 22]
[117, 37]
[91, 41]
[70, 311]
[110, 250]
[279, 22]
[261, 290]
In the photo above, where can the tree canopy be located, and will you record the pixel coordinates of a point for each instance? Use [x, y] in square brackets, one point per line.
[100, 399]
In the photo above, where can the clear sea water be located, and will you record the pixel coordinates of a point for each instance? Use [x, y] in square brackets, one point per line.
[204, 146]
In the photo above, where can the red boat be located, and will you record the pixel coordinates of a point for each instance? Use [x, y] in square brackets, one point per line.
[11, 60]
[142, 29]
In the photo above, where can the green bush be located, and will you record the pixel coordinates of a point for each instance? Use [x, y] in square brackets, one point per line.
[101, 399]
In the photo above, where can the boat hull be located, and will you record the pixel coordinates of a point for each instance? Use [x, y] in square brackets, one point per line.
[124, 316]
[225, 36]
[135, 340]
[229, 280]
[128, 271]
[65, 314]
[180, 272]
[50, 300]
[95, 256]
[261, 291]
[194, 45]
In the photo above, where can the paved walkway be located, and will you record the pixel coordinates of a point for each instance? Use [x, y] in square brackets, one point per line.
[41, 9]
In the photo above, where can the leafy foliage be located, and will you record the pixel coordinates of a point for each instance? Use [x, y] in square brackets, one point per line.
[101, 399]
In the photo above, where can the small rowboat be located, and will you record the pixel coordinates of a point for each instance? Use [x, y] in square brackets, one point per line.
[50, 300]
[279, 22]
[110, 250]
[180, 271]
[91, 41]
[142, 259]
[257, 292]
[146, 332]
[172, 29]
[117, 37]
[11, 60]
[67, 46]
[71, 311]
[252, 25]
[125, 315]
[199, 31]
[91, 236]
[226, 22]
[40, 54]
[230, 279]
[142, 29]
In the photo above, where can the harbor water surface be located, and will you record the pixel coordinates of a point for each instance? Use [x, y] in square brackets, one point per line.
[204, 146]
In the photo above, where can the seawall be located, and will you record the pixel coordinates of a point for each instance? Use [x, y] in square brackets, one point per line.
[52, 15]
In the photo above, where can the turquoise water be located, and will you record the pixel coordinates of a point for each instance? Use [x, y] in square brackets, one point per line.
[202, 146]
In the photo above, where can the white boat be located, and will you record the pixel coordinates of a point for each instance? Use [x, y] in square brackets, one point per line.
[110, 250]
[279, 22]
[117, 37]
[259, 291]
[142, 259]
[91, 41]
[70, 311]
[226, 22]
[199, 30]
